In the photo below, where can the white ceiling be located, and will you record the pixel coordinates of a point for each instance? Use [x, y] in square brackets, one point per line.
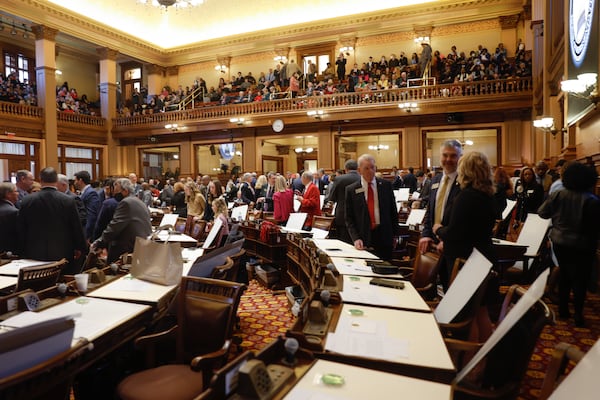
[215, 18]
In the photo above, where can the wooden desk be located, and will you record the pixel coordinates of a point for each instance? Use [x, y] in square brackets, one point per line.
[362, 383]
[358, 267]
[132, 290]
[7, 282]
[13, 267]
[358, 290]
[338, 248]
[181, 238]
[272, 252]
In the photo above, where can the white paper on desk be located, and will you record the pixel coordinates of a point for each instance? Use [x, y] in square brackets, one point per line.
[297, 205]
[319, 233]
[321, 201]
[535, 292]
[510, 204]
[214, 231]
[416, 216]
[402, 194]
[367, 345]
[169, 219]
[239, 213]
[130, 284]
[415, 195]
[13, 267]
[333, 209]
[581, 383]
[463, 288]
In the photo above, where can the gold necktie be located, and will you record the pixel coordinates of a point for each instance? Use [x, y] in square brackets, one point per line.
[439, 203]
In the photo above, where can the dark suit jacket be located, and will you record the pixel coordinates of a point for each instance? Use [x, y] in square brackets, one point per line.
[358, 221]
[48, 227]
[91, 200]
[248, 195]
[338, 196]
[8, 222]
[430, 214]
[425, 192]
[410, 182]
[131, 219]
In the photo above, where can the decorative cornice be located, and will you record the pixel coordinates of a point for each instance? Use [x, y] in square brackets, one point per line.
[444, 12]
[44, 32]
[509, 21]
[153, 69]
[107, 54]
[172, 70]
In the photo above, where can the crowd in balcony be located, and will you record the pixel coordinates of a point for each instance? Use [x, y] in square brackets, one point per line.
[69, 101]
[287, 79]
[14, 91]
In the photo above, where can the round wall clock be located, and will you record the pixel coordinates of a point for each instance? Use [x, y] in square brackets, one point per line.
[278, 125]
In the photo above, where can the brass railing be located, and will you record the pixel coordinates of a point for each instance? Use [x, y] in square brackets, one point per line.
[454, 91]
[88, 120]
[22, 110]
[197, 96]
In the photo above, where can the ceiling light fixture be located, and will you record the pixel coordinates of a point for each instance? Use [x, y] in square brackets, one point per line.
[172, 127]
[408, 107]
[303, 148]
[584, 87]
[177, 4]
[317, 114]
[239, 121]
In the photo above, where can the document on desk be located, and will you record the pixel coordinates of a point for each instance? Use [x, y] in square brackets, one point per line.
[357, 266]
[362, 383]
[7, 281]
[127, 288]
[93, 317]
[510, 204]
[338, 248]
[13, 267]
[416, 216]
[358, 290]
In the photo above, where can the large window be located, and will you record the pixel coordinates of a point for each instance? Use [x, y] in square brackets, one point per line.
[160, 162]
[15, 155]
[72, 159]
[219, 158]
[484, 140]
[19, 64]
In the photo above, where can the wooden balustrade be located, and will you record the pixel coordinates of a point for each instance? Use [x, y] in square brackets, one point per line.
[88, 120]
[21, 110]
[452, 92]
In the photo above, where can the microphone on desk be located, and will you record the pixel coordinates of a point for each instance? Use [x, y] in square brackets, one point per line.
[325, 297]
[331, 267]
[291, 346]
[62, 288]
[114, 268]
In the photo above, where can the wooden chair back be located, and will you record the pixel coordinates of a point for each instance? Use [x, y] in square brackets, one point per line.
[40, 277]
[561, 356]
[221, 271]
[424, 274]
[322, 222]
[206, 315]
[180, 225]
[198, 230]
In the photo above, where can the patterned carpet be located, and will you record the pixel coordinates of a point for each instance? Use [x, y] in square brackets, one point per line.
[264, 316]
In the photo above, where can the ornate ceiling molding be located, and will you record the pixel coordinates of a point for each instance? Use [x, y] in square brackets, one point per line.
[44, 32]
[446, 12]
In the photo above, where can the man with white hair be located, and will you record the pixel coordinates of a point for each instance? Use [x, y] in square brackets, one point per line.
[310, 200]
[247, 194]
[63, 187]
[131, 219]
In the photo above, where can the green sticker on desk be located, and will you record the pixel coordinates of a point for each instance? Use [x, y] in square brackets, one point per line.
[333, 379]
[354, 278]
[356, 312]
[82, 300]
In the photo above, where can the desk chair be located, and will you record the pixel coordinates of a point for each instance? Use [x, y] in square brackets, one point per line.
[423, 274]
[221, 271]
[322, 222]
[197, 230]
[230, 274]
[562, 354]
[507, 362]
[206, 314]
[51, 379]
[40, 277]
[181, 225]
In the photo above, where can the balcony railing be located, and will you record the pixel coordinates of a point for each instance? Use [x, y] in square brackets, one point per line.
[88, 120]
[21, 110]
[452, 92]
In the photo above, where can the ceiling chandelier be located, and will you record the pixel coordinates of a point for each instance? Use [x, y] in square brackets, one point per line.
[165, 4]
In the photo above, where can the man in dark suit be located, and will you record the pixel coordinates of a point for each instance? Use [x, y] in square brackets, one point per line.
[246, 190]
[410, 180]
[338, 196]
[48, 225]
[423, 187]
[267, 200]
[91, 200]
[131, 219]
[9, 196]
[371, 215]
[444, 189]
[63, 186]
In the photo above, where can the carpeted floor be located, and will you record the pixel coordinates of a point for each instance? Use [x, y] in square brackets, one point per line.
[264, 316]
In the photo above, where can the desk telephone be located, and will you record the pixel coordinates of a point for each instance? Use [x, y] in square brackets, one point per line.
[257, 381]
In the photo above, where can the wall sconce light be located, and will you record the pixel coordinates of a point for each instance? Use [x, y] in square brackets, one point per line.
[172, 127]
[238, 121]
[379, 147]
[58, 72]
[317, 114]
[221, 67]
[584, 87]
[281, 59]
[408, 107]
[175, 156]
[421, 39]
[346, 50]
[547, 125]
